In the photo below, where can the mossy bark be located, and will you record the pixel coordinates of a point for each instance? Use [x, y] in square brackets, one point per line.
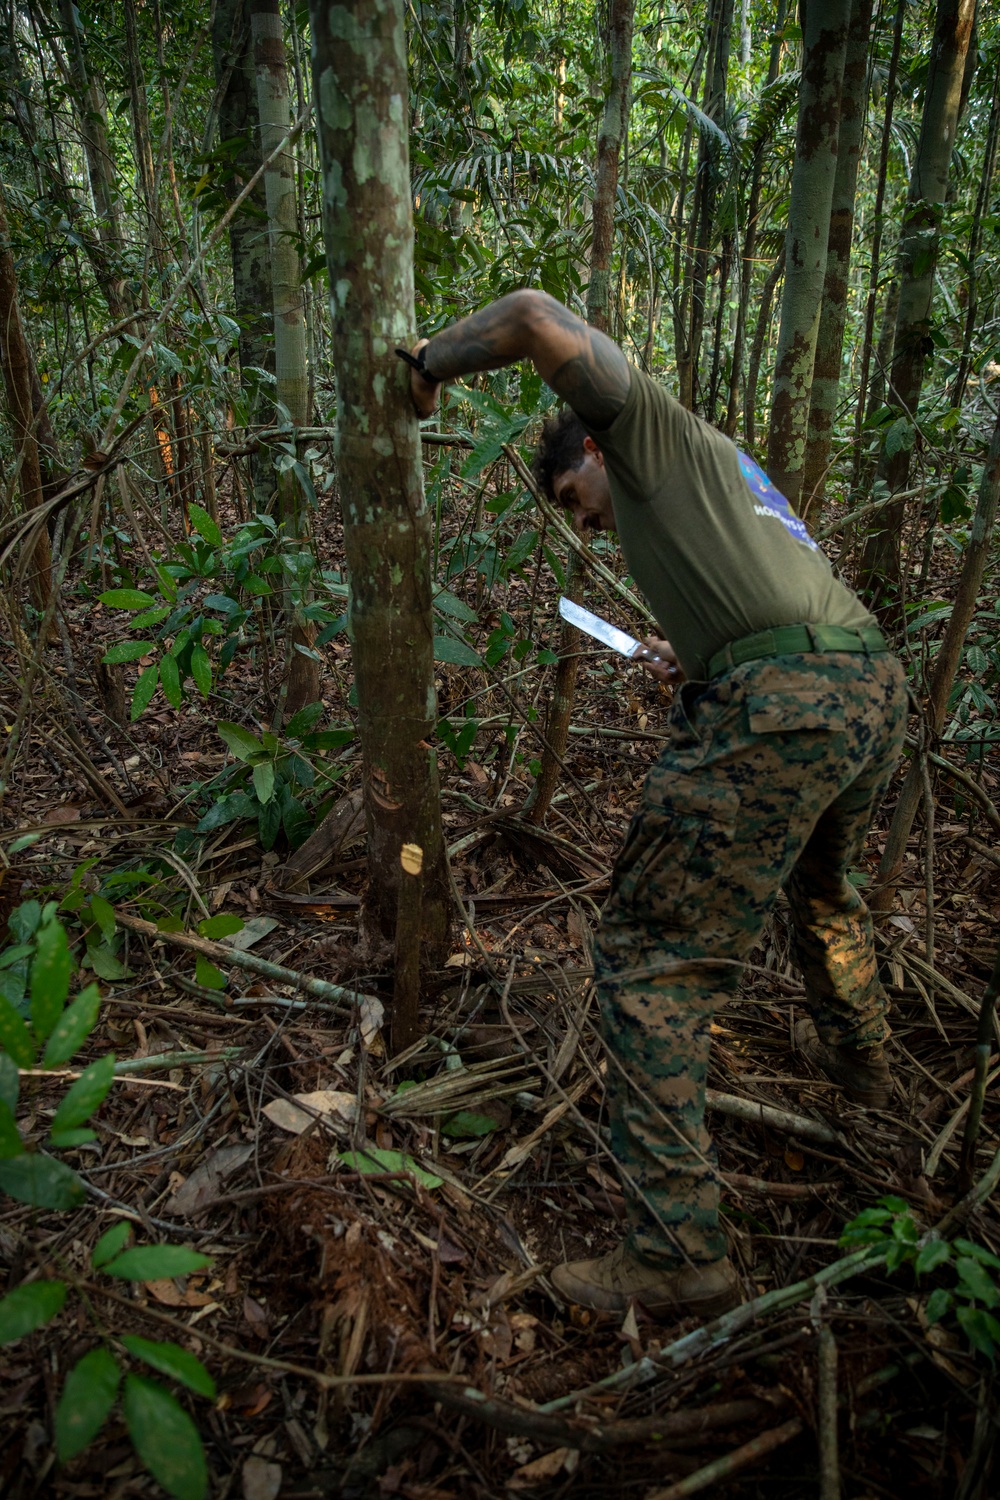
[360, 93]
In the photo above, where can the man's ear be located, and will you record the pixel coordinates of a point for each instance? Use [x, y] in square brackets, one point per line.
[589, 446]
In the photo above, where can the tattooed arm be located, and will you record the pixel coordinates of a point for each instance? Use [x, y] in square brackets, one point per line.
[581, 365]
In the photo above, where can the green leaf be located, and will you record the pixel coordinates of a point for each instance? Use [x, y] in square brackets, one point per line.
[982, 1330]
[149, 617]
[87, 1397]
[263, 780]
[931, 1255]
[301, 723]
[207, 975]
[975, 1281]
[153, 1262]
[170, 681]
[10, 1083]
[143, 691]
[467, 1124]
[257, 586]
[165, 1438]
[938, 1303]
[450, 604]
[171, 1359]
[226, 924]
[127, 651]
[68, 1140]
[978, 1252]
[105, 963]
[15, 1038]
[50, 975]
[204, 525]
[111, 1242]
[269, 823]
[86, 1094]
[126, 599]
[201, 670]
[11, 1143]
[24, 842]
[241, 742]
[73, 1027]
[103, 914]
[29, 1307]
[378, 1159]
[449, 648]
[41, 1181]
[237, 805]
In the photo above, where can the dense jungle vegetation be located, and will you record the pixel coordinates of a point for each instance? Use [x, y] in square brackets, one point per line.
[301, 1080]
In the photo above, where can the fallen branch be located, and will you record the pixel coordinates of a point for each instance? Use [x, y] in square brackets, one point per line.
[337, 999]
[753, 1113]
[731, 1463]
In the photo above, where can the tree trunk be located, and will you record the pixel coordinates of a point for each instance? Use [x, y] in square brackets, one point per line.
[881, 563]
[291, 390]
[824, 47]
[945, 667]
[757, 349]
[614, 124]
[825, 391]
[983, 198]
[360, 93]
[17, 367]
[706, 179]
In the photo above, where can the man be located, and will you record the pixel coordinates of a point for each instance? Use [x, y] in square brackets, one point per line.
[781, 744]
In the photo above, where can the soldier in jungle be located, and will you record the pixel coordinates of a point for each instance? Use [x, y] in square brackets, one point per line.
[785, 728]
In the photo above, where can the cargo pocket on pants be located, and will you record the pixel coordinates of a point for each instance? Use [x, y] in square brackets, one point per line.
[676, 848]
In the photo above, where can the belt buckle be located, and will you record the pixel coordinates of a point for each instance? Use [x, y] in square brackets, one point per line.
[814, 638]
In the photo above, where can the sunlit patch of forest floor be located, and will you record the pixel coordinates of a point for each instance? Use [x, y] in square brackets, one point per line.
[335, 1293]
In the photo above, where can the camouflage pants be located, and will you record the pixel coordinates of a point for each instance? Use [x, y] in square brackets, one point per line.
[770, 778]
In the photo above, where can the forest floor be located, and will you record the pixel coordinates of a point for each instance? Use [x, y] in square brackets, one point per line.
[335, 1294]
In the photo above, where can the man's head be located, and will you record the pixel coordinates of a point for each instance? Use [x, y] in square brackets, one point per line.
[569, 468]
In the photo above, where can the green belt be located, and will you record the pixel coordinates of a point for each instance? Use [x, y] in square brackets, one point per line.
[791, 640]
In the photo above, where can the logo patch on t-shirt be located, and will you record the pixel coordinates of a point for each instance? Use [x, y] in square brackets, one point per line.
[770, 502]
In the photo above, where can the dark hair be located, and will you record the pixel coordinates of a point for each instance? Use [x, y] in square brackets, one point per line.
[560, 447]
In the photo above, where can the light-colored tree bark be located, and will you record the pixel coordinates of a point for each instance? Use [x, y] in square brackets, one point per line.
[824, 47]
[360, 93]
[614, 125]
[919, 247]
[825, 390]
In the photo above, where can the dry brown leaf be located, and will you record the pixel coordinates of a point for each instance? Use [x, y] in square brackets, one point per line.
[546, 1467]
[256, 1317]
[198, 1190]
[167, 1292]
[261, 1480]
[333, 1106]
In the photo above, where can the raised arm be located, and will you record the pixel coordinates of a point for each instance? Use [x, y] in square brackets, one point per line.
[582, 365]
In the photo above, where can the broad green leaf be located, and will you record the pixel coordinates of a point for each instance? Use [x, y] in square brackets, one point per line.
[201, 670]
[328, 739]
[204, 525]
[226, 924]
[126, 599]
[269, 823]
[149, 617]
[11, 1143]
[980, 1328]
[257, 586]
[449, 648]
[938, 1303]
[237, 805]
[87, 1397]
[89, 1091]
[378, 1159]
[978, 1252]
[73, 1028]
[40, 1180]
[127, 651]
[207, 975]
[105, 963]
[68, 1140]
[931, 1255]
[153, 1262]
[450, 604]
[241, 742]
[170, 681]
[466, 1123]
[263, 780]
[50, 975]
[29, 1307]
[111, 1242]
[171, 1359]
[24, 842]
[975, 1281]
[165, 1438]
[103, 914]
[143, 691]
[10, 1084]
[301, 723]
[15, 1038]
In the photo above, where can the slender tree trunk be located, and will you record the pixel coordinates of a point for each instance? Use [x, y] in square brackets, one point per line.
[705, 186]
[17, 368]
[750, 239]
[878, 224]
[825, 390]
[881, 563]
[360, 93]
[757, 348]
[945, 667]
[291, 375]
[614, 124]
[824, 47]
[983, 198]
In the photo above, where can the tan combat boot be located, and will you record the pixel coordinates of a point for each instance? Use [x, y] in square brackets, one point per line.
[862, 1072]
[609, 1283]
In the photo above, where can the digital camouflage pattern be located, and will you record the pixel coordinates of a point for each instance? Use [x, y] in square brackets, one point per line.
[770, 778]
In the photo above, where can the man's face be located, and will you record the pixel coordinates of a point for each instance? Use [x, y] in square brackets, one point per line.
[585, 491]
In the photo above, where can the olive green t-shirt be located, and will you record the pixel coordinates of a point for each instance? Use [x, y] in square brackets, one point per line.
[714, 547]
